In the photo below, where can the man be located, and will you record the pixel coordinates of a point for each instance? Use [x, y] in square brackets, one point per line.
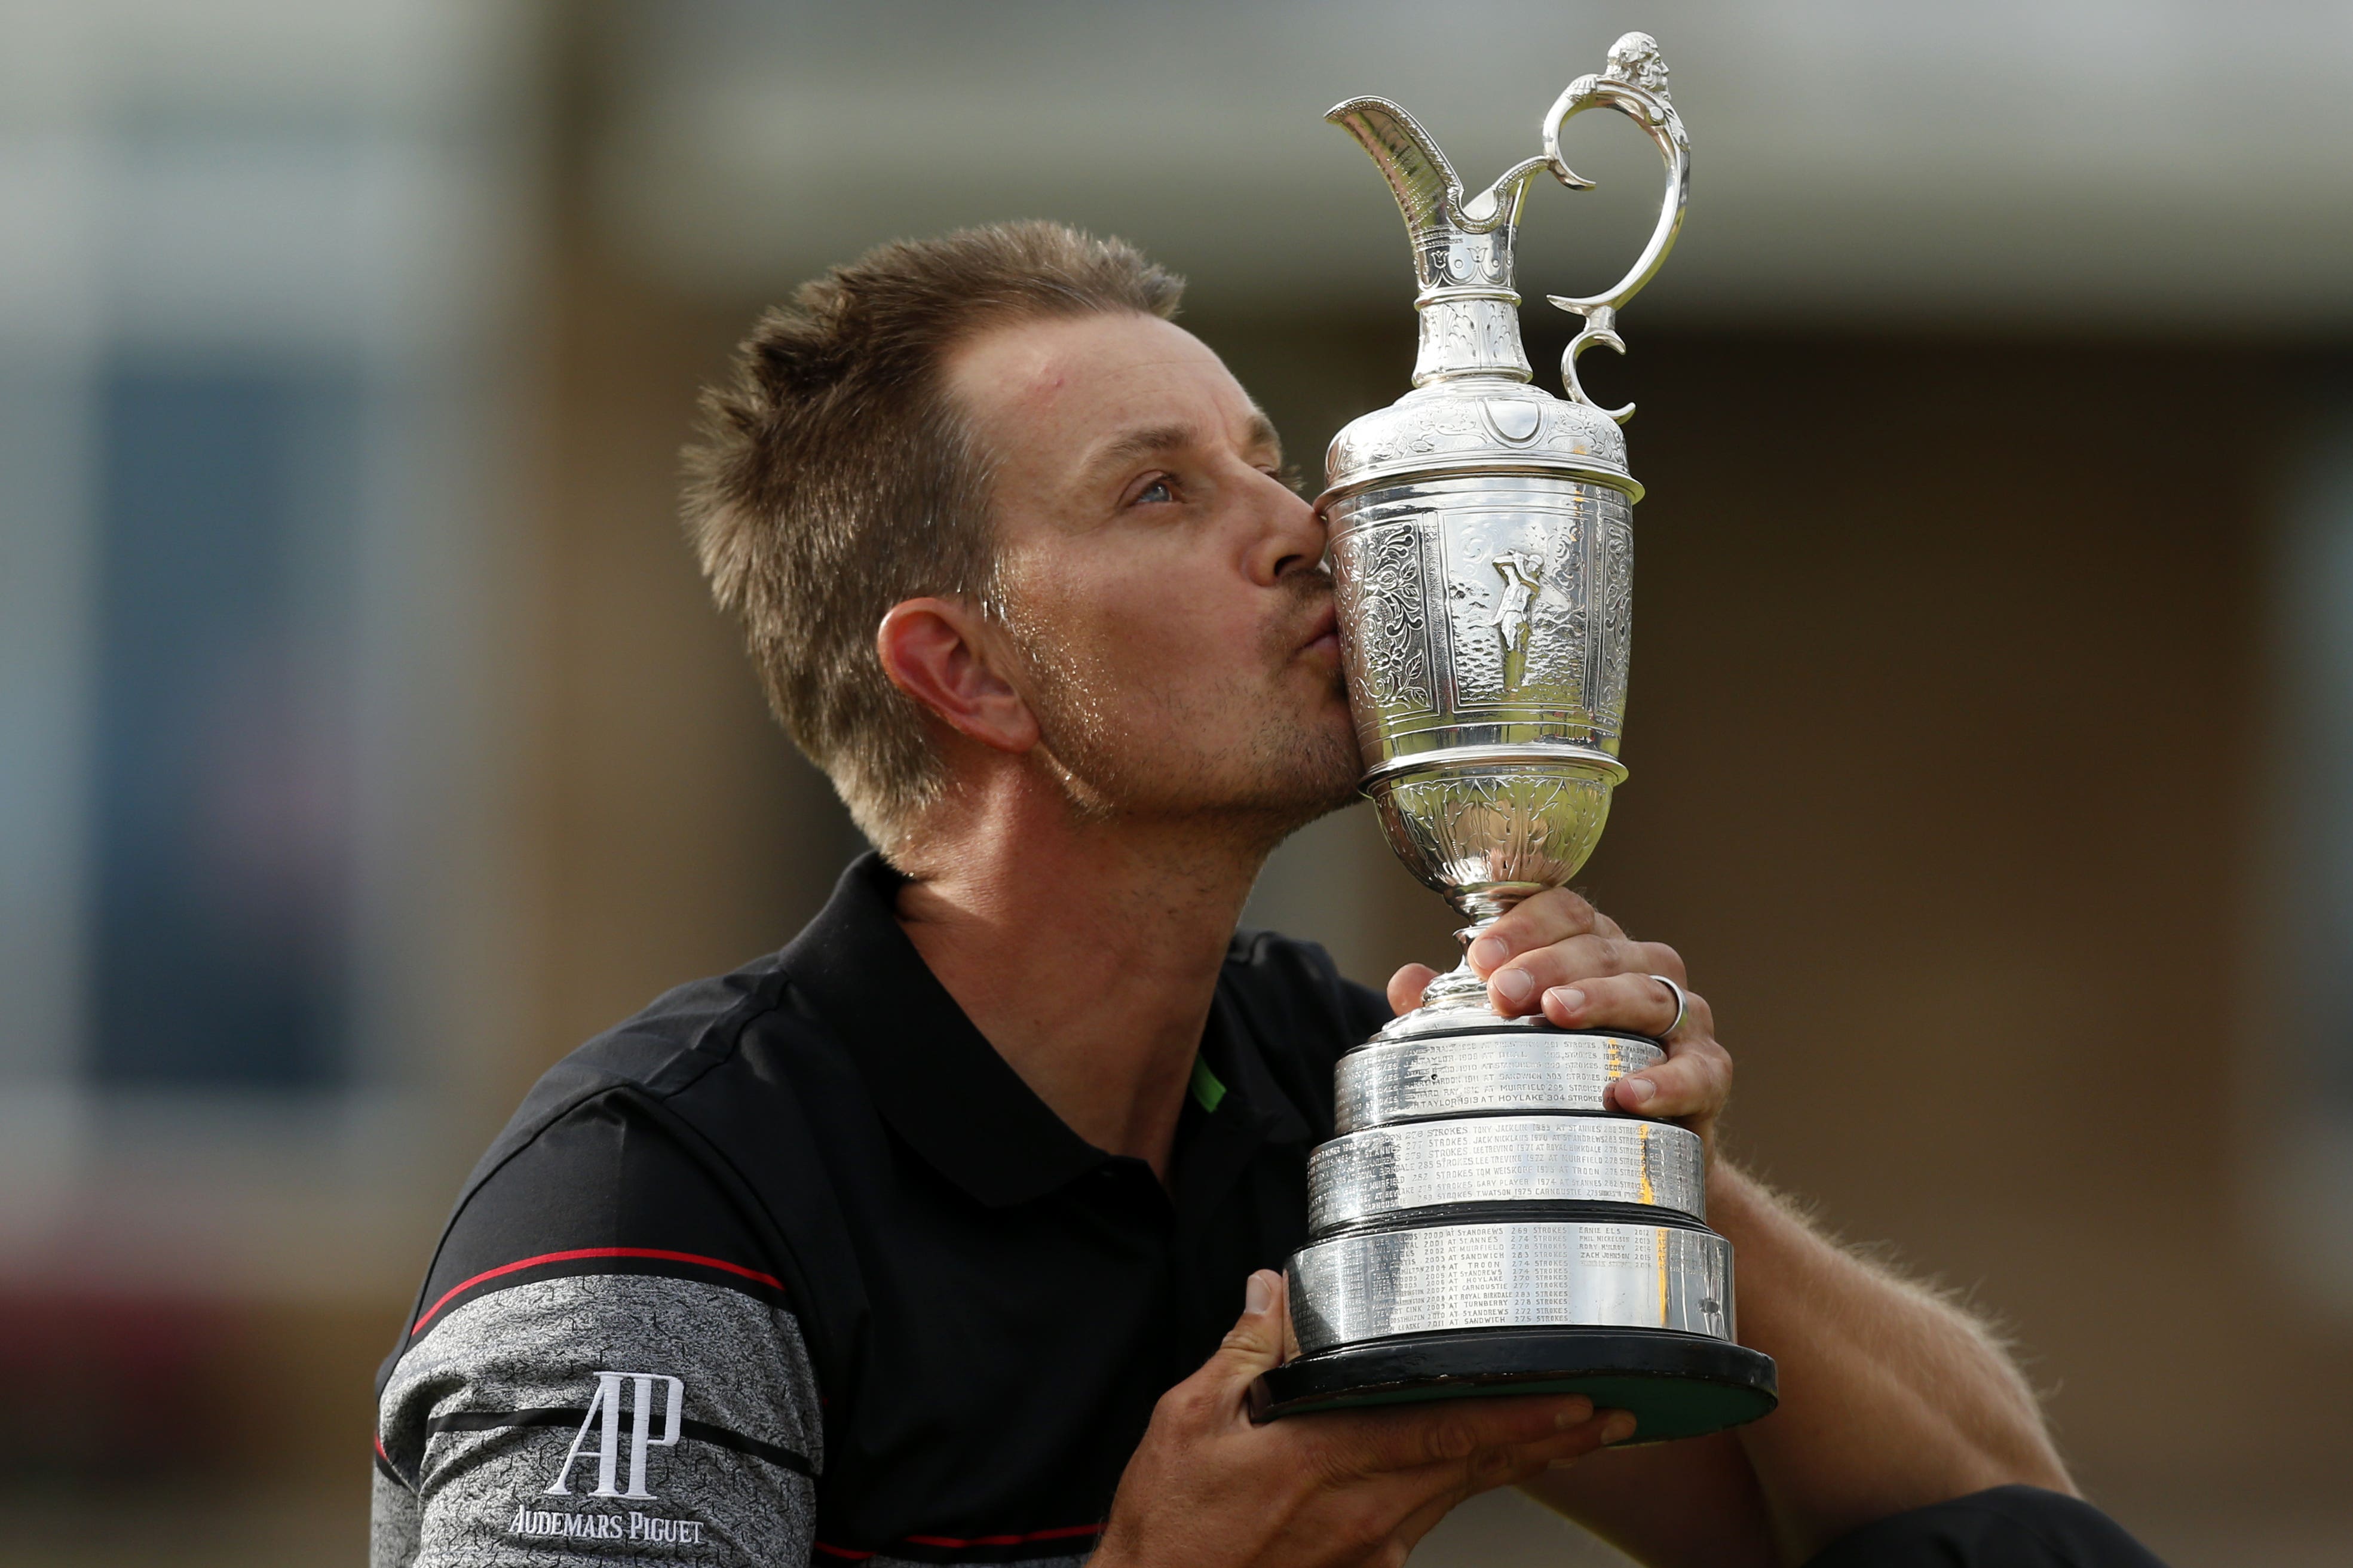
[922, 1240]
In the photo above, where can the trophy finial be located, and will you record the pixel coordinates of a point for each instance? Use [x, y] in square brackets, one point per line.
[1635, 60]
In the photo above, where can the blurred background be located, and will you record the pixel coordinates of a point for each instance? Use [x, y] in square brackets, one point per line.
[366, 740]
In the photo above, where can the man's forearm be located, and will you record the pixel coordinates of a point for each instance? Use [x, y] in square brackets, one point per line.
[1892, 1398]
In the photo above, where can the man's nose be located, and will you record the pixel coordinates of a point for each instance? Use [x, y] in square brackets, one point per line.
[1293, 536]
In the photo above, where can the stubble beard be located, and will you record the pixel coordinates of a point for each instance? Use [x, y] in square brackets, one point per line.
[1143, 753]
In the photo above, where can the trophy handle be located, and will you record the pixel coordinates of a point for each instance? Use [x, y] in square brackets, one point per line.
[1635, 85]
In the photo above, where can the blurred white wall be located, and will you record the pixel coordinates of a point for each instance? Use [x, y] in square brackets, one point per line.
[258, 264]
[2142, 162]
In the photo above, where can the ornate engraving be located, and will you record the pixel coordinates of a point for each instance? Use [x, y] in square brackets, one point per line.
[1437, 427]
[1464, 830]
[1532, 610]
[1517, 590]
[1554, 664]
[1523, 575]
[1609, 685]
[1446, 418]
[1378, 578]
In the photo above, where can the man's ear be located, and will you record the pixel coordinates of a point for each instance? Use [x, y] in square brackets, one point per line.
[938, 651]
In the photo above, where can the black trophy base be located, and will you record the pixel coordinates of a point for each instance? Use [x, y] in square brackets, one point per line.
[1677, 1385]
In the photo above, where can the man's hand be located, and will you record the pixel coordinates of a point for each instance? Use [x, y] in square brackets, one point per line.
[1207, 1489]
[1558, 954]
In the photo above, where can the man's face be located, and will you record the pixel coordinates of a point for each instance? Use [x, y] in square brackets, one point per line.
[1163, 585]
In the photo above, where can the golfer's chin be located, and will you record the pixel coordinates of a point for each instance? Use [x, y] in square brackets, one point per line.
[1337, 765]
[1351, 757]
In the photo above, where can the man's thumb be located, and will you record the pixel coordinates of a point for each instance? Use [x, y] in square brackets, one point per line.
[1255, 1343]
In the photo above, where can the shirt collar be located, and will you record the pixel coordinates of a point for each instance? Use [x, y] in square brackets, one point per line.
[944, 1088]
[935, 1080]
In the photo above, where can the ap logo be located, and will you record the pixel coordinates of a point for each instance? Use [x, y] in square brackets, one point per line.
[602, 1422]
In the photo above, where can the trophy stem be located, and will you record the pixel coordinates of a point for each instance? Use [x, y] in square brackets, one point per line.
[1458, 998]
[1460, 988]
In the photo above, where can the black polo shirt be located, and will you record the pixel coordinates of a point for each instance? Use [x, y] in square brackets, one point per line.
[793, 1263]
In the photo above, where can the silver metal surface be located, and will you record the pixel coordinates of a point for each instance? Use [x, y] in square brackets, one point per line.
[1468, 304]
[1635, 84]
[1389, 1171]
[1482, 550]
[1481, 539]
[1683, 1006]
[1542, 1274]
[1523, 1073]
[1488, 611]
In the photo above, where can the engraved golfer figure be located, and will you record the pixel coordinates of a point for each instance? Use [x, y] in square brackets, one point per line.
[1522, 574]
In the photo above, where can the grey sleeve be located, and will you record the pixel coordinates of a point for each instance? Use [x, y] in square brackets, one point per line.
[617, 1418]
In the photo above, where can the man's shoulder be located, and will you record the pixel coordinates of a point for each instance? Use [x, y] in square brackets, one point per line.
[663, 1049]
[711, 1041]
[614, 1250]
[681, 1141]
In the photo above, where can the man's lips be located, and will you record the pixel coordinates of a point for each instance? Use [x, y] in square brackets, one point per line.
[1323, 634]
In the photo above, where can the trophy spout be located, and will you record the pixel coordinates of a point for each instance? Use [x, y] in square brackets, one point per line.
[1462, 248]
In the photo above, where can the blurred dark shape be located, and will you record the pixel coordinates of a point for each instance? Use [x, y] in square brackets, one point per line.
[99, 1392]
[221, 810]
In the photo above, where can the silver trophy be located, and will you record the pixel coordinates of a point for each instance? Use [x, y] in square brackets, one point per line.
[1482, 1223]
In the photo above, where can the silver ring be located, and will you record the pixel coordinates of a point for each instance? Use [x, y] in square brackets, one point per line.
[1683, 1007]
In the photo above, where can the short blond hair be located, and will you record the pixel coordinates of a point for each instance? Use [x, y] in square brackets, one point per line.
[835, 477]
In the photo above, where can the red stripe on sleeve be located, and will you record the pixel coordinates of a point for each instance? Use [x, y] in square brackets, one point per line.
[1060, 1532]
[770, 1280]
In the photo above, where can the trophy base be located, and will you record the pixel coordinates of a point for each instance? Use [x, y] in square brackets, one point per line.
[1677, 1384]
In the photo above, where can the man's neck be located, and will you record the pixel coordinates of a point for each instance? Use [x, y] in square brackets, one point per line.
[1086, 950]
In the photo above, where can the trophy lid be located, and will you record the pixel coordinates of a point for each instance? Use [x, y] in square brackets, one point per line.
[1474, 408]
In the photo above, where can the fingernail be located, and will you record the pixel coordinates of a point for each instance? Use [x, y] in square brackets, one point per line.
[1515, 985]
[1618, 1427]
[1560, 1464]
[1636, 1090]
[1567, 998]
[1575, 1412]
[1259, 1294]
[1487, 952]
